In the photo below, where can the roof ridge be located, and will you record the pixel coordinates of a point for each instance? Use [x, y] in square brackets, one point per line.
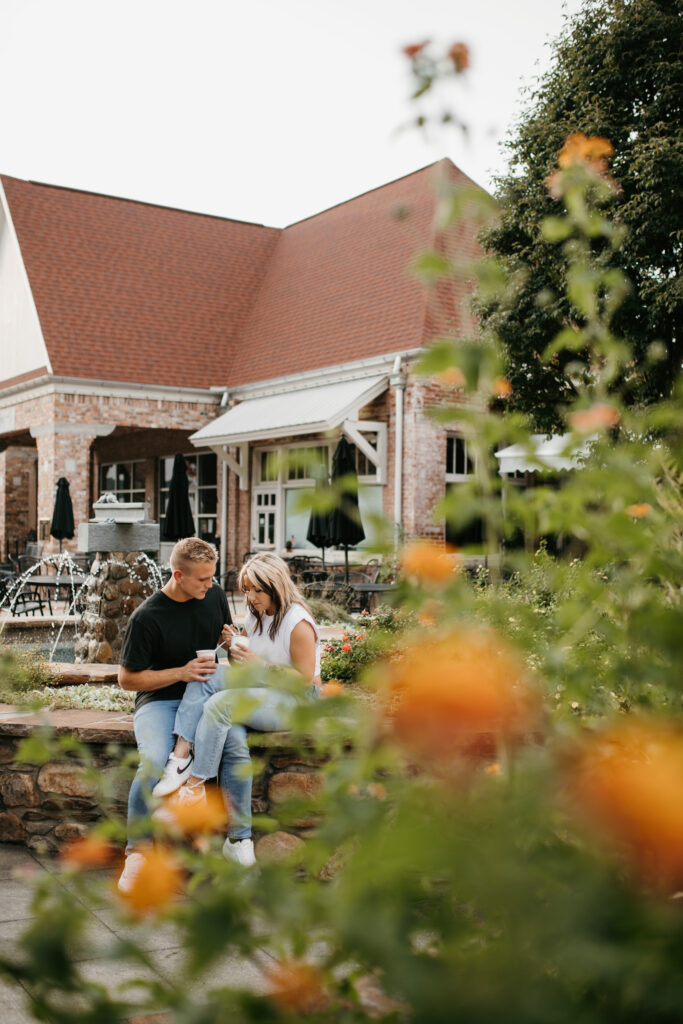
[377, 188]
[139, 202]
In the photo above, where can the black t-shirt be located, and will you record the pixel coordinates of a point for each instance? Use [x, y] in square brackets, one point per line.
[163, 633]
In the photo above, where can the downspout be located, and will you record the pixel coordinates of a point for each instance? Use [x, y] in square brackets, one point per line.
[224, 518]
[398, 382]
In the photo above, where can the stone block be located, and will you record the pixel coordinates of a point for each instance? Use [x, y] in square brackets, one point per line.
[11, 829]
[294, 786]
[279, 846]
[129, 587]
[111, 609]
[8, 749]
[104, 654]
[18, 789]
[70, 830]
[42, 845]
[111, 630]
[65, 779]
[38, 828]
[118, 537]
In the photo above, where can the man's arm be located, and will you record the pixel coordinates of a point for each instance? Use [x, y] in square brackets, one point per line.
[196, 670]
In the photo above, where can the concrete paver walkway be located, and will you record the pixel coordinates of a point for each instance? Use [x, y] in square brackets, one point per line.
[19, 867]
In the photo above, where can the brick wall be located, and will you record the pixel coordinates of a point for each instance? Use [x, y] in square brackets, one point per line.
[17, 497]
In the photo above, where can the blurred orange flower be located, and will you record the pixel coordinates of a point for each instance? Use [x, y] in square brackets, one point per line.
[207, 815]
[460, 55]
[413, 50]
[428, 614]
[428, 562]
[593, 151]
[638, 511]
[332, 689]
[599, 415]
[346, 648]
[502, 387]
[156, 883]
[457, 686]
[297, 988]
[629, 782]
[452, 375]
[90, 852]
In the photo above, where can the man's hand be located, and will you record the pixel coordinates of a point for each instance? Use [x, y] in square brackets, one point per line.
[199, 669]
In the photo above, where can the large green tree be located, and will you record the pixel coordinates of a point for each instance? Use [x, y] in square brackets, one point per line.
[617, 72]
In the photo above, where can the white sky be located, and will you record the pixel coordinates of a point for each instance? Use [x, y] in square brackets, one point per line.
[261, 110]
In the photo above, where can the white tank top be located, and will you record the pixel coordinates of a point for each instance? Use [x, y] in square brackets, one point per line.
[277, 651]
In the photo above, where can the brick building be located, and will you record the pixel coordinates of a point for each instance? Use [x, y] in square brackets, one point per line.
[130, 332]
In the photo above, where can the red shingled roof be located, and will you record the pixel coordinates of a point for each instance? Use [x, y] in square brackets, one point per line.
[131, 292]
[338, 287]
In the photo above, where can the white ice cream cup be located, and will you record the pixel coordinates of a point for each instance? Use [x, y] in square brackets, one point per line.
[240, 641]
[207, 652]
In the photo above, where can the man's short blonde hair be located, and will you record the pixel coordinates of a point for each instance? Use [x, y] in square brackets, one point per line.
[191, 551]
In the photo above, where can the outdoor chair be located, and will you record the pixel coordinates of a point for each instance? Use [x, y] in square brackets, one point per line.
[24, 598]
[229, 584]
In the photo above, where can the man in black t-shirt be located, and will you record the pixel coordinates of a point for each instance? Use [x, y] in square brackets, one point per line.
[158, 659]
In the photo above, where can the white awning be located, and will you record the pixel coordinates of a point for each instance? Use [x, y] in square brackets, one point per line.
[542, 453]
[309, 410]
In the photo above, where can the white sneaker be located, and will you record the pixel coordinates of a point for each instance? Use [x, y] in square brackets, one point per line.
[242, 851]
[131, 870]
[185, 797]
[177, 771]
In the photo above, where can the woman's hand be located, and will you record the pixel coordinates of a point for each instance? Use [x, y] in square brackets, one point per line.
[227, 633]
[243, 656]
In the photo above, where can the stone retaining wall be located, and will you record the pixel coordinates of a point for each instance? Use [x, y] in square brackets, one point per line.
[46, 806]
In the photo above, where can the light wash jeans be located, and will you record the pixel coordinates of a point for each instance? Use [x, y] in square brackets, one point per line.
[195, 697]
[263, 708]
[154, 725]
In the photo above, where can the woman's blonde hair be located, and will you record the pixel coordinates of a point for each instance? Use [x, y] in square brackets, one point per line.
[270, 574]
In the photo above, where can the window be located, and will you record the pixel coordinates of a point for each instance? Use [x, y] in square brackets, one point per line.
[202, 492]
[463, 530]
[124, 479]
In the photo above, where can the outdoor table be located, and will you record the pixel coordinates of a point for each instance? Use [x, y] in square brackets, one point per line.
[367, 591]
[54, 585]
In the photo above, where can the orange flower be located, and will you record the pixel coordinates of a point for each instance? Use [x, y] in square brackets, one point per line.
[413, 50]
[156, 883]
[90, 852]
[638, 511]
[493, 769]
[207, 815]
[429, 613]
[297, 988]
[502, 387]
[629, 782]
[444, 693]
[599, 415]
[332, 689]
[346, 647]
[592, 151]
[377, 790]
[428, 562]
[452, 375]
[460, 55]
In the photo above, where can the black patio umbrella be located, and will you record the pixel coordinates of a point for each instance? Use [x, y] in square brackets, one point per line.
[62, 524]
[346, 527]
[318, 532]
[178, 522]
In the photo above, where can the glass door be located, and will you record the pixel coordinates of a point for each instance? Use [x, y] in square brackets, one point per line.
[264, 526]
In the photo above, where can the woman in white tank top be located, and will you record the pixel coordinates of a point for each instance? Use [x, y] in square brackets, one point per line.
[281, 632]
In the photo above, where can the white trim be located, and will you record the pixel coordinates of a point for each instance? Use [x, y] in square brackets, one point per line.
[369, 367]
[38, 387]
[378, 457]
[239, 465]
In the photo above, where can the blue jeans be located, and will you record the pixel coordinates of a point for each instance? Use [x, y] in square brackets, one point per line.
[262, 708]
[192, 705]
[154, 725]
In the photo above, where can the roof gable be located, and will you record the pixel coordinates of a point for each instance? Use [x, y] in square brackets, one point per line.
[131, 292]
[338, 286]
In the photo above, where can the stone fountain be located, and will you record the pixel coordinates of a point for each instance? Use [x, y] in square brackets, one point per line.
[122, 575]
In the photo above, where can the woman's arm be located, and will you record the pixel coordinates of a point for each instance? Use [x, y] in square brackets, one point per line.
[302, 650]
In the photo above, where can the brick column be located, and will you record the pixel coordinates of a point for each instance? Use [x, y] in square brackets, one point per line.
[64, 450]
